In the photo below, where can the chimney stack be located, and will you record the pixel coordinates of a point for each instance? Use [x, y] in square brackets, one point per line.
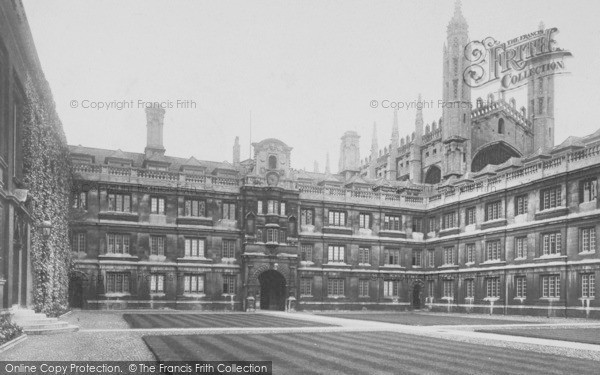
[236, 151]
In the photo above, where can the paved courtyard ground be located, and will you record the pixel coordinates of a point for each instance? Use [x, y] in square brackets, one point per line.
[585, 335]
[340, 343]
[421, 319]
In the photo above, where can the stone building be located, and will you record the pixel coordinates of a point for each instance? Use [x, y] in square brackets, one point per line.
[479, 212]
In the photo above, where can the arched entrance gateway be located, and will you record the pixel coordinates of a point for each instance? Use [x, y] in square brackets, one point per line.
[272, 290]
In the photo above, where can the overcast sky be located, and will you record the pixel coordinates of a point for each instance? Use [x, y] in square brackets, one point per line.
[307, 70]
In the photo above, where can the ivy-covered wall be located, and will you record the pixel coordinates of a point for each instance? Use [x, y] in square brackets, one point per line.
[48, 177]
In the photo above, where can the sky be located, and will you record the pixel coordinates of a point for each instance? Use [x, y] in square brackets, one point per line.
[300, 71]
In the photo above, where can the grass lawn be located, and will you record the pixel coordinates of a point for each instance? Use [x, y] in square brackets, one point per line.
[212, 321]
[583, 335]
[416, 319]
[363, 353]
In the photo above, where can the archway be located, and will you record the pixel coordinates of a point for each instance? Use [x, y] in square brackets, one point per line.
[493, 153]
[416, 296]
[76, 281]
[272, 290]
[433, 175]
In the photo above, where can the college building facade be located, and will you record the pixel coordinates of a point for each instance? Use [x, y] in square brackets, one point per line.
[478, 212]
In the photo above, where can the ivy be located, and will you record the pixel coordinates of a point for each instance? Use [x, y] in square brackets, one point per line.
[47, 171]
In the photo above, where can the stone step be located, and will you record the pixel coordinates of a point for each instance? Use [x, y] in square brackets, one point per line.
[27, 327]
[33, 319]
[51, 331]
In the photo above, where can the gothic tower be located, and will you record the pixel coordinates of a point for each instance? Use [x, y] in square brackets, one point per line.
[393, 154]
[349, 152]
[155, 118]
[540, 102]
[236, 151]
[415, 150]
[374, 153]
[456, 130]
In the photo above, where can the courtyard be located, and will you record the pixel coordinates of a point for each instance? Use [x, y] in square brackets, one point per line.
[333, 343]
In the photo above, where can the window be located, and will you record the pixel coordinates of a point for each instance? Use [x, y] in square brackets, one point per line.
[335, 287]
[492, 250]
[306, 217]
[157, 283]
[417, 224]
[391, 256]
[417, 258]
[470, 288]
[431, 258]
[193, 284]
[157, 245]
[587, 240]
[470, 253]
[551, 198]
[551, 243]
[80, 200]
[430, 288]
[17, 135]
[587, 190]
[501, 126]
[306, 252]
[228, 248]
[363, 288]
[337, 218]
[521, 247]
[449, 220]
[78, 240]
[282, 236]
[551, 286]
[272, 206]
[194, 248]
[228, 211]
[117, 243]
[492, 286]
[448, 255]
[271, 235]
[117, 282]
[521, 287]
[392, 222]
[306, 286]
[194, 207]
[431, 224]
[492, 210]
[157, 205]
[272, 162]
[540, 106]
[521, 204]
[364, 255]
[448, 288]
[364, 221]
[282, 209]
[470, 216]
[259, 207]
[119, 202]
[587, 285]
[336, 254]
[229, 284]
[390, 288]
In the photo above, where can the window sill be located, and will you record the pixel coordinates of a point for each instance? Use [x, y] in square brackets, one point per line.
[306, 296]
[492, 262]
[157, 294]
[337, 264]
[392, 233]
[550, 299]
[449, 231]
[587, 252]
[194, 295]
[551, 256]
[520, 299]
[194, 220]
[228, 260]
[551, 213]
[117, 294]
[117, 256]
[364, 264]
[521, 258]
[491, 299]
[336, 297]
[230, 295]
[448, 299]
[586, 298]
[118, 215]
[194, 259]
[493, 223]
[392, 266]
[469, 264]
